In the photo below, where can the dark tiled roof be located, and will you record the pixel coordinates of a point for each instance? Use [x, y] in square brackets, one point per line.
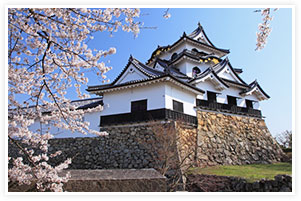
[91, 105]
[207, 72]
[252, 85]
[170, 69]
[79, 104]
[191, 55]
[146, 70]
[222, 65]
[189, 37]
[238, 70]
[235, 83]
[100, 87]
[199, 30]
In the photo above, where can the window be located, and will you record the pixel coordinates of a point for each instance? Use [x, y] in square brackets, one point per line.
[140, 105]
[232, 100]
[249, 104]
[177, 106]
[211, 96]
[174, 56]
[195, 71]
[194, 50]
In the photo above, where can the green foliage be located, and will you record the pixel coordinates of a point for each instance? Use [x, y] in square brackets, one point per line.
[251, 173]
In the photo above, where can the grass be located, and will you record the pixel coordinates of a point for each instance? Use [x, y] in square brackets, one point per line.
[251, 173]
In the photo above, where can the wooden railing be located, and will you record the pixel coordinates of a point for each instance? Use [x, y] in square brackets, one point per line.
[142, 116]
[228, 108]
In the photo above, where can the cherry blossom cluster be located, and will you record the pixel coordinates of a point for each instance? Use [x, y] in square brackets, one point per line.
[166, 14]
[264, 28]
[47, 55]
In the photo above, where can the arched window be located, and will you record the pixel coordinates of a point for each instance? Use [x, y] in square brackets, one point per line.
[195, 71]
[194, 50]
[174, 56]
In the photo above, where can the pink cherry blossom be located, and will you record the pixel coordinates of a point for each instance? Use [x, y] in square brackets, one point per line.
[264, 28]
[47, 54]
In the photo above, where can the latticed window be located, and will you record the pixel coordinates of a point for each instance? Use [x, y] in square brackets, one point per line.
[140, 105]
[177, 106]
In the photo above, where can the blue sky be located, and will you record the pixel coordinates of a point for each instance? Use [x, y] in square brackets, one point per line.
[228, 28]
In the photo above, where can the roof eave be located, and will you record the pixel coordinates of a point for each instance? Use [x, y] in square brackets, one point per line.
[146, 82]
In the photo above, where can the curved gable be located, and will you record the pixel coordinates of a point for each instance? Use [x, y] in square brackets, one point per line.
[226, 71]
[210, 76]
[131, 74]
[255, 89]
[200, 35]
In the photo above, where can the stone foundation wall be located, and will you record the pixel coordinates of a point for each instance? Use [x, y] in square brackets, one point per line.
[120, 149]
[213, 183]
[186, 144]
[219, 139]
[126, 147]
[225, 139]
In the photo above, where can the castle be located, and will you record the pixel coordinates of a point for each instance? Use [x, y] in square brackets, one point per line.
[191, 82]
[177, 79]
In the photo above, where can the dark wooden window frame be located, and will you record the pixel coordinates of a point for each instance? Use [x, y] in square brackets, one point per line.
[249, 103]
[177, 106]
[139, 105]
[212, 96]
[232, 100]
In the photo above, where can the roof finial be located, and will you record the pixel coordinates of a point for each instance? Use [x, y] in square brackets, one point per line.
[184, 33]
[131, 57]
[199, 24]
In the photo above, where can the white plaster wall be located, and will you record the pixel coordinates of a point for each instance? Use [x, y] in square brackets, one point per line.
[203, 38]
[208, 86]
[176, 93]
[158, 67]
[159, 95]
[120, 101]
[186, 66]
[228, 74]
[182, 66]
[256, 104]
[93, 118]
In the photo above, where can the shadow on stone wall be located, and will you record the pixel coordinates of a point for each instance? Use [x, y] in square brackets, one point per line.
[225, 139]
[213, 183]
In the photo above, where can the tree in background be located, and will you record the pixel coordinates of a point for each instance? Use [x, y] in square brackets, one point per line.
[47, 54]
[285, 139]
[264, 28]
[172, 146]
